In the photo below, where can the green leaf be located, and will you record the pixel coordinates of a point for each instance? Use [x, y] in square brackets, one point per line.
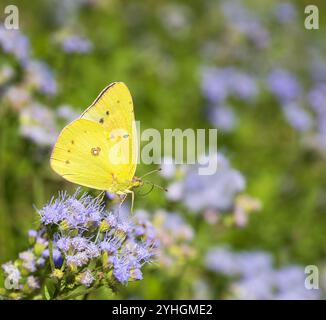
[47, 293]
[49, 289]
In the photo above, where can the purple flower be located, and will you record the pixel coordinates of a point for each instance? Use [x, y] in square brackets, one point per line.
[298, 117]
[57, 257]
[76, 44]
[215, 84]
[167, 167]
[215, 191]
[38, 124]
[284, 85]
[67, 113]
[245, 22]
[253, 263]
[285, 12]
[258, 287]
[77, 211]
[243, 85]
[29, 260]
[33, 282]
[86, 278]
[39, 76]
[222, 260]
[86, 232]
[222, 117]
[121, 270]
[32, 233]
[12, 272]
[317, 99]
[13, 42]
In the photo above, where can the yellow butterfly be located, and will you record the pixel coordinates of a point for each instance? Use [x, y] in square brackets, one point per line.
[99, 150]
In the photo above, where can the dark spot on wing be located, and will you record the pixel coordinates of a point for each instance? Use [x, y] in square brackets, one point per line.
[69, 151]
[101, 121]
[72, 142]
[95, 151]
[107, 113]
[67, 162]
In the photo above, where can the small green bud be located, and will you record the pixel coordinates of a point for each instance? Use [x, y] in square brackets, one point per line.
[105, 260]
[57, 273]
[104, 226]
[39, 248]
[64, 225]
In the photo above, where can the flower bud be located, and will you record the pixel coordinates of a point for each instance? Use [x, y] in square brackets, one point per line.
[57, 273]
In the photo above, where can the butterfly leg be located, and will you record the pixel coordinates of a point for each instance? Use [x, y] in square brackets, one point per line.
[132, 199]
[122, 197]
[100, 196]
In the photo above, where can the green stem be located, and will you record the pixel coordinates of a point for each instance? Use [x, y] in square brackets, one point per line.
[51, 254]
[76, 294]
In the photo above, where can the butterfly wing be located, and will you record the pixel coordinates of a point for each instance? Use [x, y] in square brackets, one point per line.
[83, 155]
[113, 110]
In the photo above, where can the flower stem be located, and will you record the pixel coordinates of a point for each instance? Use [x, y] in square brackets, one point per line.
[76, 294]
[51, 254]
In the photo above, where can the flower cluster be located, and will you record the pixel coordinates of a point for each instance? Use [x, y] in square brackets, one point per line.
[300, 96]
[219, 84]
[79, 243]
[209, 194]
[172, 234]
[251, 275]
[20, 85]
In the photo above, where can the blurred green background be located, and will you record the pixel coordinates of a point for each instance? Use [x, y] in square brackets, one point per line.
[134, 42]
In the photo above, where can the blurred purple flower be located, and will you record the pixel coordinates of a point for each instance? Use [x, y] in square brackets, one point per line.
[86, 278]
[285, 12]
[299, 118]
[244, 21]
[29, 260]
[67, 113]
[215, 191]
[13, 42]
[252, 276]
[283, 85]
[214, 84]
[222, 117]
[317, 99]
[220, 83]
[33, 282]
[221, 260]
[76, 44]
[40, 77]
[38, 124]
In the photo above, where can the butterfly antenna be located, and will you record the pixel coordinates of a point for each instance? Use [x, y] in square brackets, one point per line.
[150, 172]
[146, 193]
[155, 185]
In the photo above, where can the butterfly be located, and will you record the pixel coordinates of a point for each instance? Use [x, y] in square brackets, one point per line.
[99, 149]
